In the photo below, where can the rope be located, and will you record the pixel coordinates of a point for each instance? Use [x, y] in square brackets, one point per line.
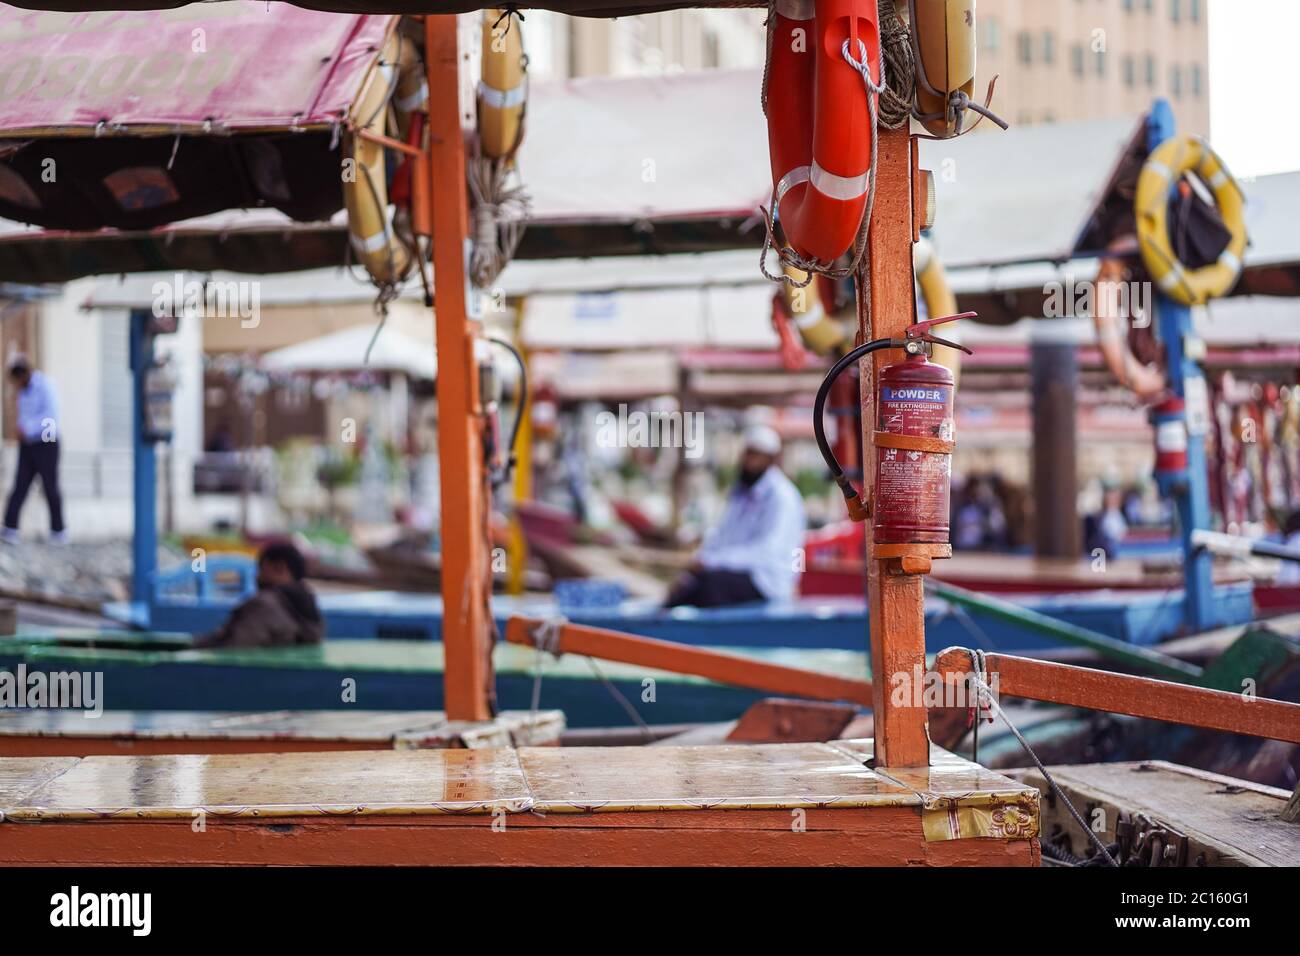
[984, 698]
[897, 68]
[546, 638]
[500, 217]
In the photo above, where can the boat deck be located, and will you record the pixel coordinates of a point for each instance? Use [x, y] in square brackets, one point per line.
[46, 733]
[1197, 817]
[774, 804]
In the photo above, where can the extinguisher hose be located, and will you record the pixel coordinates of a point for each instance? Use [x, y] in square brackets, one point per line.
[819, 410]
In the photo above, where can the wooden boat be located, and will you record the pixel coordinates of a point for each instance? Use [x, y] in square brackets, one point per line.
[151, 672]
[767, 805]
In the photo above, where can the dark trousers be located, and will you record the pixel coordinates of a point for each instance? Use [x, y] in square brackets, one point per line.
[714, 588]
[36, 458]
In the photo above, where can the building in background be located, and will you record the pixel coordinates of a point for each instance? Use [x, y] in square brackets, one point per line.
[1088, 59]
[1057, 59]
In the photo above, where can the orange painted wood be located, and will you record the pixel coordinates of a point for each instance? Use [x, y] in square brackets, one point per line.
[71, 746]
[1135, 696]
[684, 659]
[877, 836]
[465, 635]
[896, 601]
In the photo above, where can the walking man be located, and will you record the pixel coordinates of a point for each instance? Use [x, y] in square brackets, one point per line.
[38, 446]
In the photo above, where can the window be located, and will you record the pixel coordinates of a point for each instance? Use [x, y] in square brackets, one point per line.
[1175, 10]
[1049, 47]
[1130, 70]
[1151, 71]
[1194, 10]
[1176, 81]
[1076, 59]
[1099, 62]
[1025, 47]
[1128, 6]
[1148, 5]
[992, 35]
[1198, 80]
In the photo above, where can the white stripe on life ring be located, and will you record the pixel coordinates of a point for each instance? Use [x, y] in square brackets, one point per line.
[413, 100]
[502, 99]
[795, 9]
[838, 187]
[791, 179]
[1229, 260]
[370, 243]
[1172, 279]
[1218, 179]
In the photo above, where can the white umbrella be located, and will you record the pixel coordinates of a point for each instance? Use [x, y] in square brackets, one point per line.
[345, 351]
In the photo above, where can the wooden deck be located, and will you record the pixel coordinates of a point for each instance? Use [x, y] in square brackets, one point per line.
[1208, 819]
[777, 804]
[47, 733]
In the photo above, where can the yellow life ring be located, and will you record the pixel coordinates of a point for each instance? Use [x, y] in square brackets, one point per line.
[939, 299]
[822, 333]
[1166, 164]
[503, 91]
[365, 192]
[831, 334]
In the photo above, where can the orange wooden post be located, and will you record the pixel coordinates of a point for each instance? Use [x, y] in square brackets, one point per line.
[895, 600]
[1125, 694]
[684, 659]
[465, 637]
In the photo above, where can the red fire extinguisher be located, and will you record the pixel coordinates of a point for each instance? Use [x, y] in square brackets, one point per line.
[914, 439]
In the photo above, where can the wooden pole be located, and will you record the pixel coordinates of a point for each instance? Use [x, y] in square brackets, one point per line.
[683, 659]
[1125, 694]
[465, 636]
[895, 601]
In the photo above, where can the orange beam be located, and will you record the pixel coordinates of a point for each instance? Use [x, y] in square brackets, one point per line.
[896, 601]
[1125, 694]
[465, 635]
[684, 659]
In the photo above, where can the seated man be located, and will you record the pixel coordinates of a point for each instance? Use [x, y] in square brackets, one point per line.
[283, 612]
[753, 552]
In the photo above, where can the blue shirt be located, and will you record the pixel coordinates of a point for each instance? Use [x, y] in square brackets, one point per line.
[38, 410]
[761, 533]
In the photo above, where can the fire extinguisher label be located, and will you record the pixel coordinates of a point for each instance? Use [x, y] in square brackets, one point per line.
[911, 490]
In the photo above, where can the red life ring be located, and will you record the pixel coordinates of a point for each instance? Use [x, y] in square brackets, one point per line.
[819, 126]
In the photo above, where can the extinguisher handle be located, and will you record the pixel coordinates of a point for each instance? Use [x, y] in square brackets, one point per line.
[935, 340]
[920, 330]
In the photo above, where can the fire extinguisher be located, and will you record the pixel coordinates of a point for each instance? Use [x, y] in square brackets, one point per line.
[913, 439]
[1170, 421]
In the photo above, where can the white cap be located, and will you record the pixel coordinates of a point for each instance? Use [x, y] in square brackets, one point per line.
[762, 438]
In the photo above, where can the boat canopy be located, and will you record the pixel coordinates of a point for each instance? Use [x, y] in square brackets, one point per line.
[134, 119]
[576, 8]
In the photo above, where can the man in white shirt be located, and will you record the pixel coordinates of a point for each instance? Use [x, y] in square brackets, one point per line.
[38, 447]
[752, 554]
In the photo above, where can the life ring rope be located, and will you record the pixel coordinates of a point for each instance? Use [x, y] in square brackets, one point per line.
[843, 188]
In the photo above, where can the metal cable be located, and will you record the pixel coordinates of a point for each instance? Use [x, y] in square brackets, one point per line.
[984, 697]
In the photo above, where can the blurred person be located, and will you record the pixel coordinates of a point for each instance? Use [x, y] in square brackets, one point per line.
[1105, 530]
[282, 613]
[750, 555]
[38, 447]
[1289, 572]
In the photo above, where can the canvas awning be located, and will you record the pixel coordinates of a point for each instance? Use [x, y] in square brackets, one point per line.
[130, 121]
[576, 8]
